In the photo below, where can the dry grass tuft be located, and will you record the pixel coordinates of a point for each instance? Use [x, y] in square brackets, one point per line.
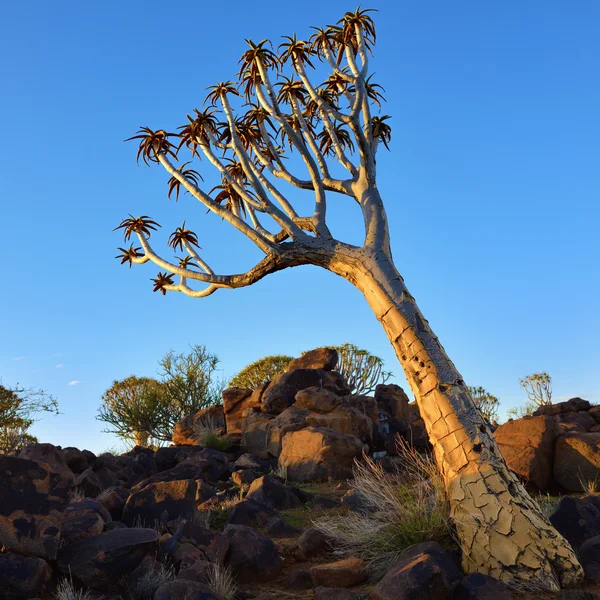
[67, 591]
[221, 581]
[404, 508]
[146, 586]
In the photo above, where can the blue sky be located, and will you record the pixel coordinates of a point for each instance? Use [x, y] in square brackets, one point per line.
[492, 187]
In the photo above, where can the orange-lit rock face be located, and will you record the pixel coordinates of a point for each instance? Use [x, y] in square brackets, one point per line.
[32, 502]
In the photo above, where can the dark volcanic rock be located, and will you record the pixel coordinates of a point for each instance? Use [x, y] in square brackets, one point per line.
[481, 587]
[319, 358]
[185, 589]
[83, 518]
[577, 520]
[271, 492]
[32, 502]
[22, 578]
[113, 499]
[250, 513]
[340, 574]
[425, 572]
[252, 556]
[103, 559]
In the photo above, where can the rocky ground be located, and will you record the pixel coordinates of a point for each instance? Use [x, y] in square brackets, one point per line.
[193, 523]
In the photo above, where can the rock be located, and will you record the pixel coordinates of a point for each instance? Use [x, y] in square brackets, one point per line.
[235, 401]
[340, 574]
[316, 454]
[83, 518]
[166, 500]
[355, 502]
[364, 404]
[344, 419]
[313, 542]
[317, 399]
[319, 358]
[576, 519]
[185, 589]
[252, 556]
[392, 399]
[190, 430]
[291, 419]
[113, 499]
[195, 569]
[577, 460]
[271, 492]
[481, 587]
[33, 499]
[22, 577]
[589, 557]
[250, 513]
[299, 579]
[255, 430]
[243, 477]
[572, 405]
[282, 391]
[575, 421]
[89, 483]
[424, 572]
[75, 459]
[278, 528]
[527, 446]
[247, 461]
[103, 559]
[324, 593]
[212, 545]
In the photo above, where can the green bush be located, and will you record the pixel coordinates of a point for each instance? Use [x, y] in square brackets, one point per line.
[260, 371]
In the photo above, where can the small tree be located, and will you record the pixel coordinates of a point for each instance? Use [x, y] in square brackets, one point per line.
[486, 403]
[260, 371]
[17, 409]
[145, 410]
[361, 369]
[189, 384]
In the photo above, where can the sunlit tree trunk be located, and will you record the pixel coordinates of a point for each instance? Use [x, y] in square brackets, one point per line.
[501, 530]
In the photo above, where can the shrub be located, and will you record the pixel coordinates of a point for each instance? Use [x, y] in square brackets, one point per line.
[221, 580]
[210, 439]
[18, 406]
[145, 410]
[403, 508]
[361, 369]
[260, 371]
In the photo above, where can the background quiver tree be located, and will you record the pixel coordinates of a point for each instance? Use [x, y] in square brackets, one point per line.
[18, 408]
[261, 371]
[276, 109]
[486, 403]
[362, 370]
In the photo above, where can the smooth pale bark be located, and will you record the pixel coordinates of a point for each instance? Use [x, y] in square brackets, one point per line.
[141, 439]
[502, 531]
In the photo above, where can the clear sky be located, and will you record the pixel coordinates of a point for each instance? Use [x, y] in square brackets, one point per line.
[492, 188]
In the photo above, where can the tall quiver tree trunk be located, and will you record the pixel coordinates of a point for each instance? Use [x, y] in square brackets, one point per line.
[501, 530]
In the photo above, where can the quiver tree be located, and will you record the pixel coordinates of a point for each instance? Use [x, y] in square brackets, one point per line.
[276, 109]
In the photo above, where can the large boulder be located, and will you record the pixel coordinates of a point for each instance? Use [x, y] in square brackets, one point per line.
[291, 419]
[344, 419]
[83, 518]
[191, 429]
[319, 358]
[576, 519]
[572, 405]
[113, 499]
[589, 557]
[50, 455]
[281, 392]
[527, 446]
[212, 545]
[577, 460]
[255, 431]
[76, 459]
[235, 402]
[340, 574]
[317, 399]
[317, 454]
[166, 500]
[481, 587]
[250, 513]
[33, 499]
[575, 421]
[252, 556]
[424, 572]
[392, 399]
[103, 559]
[185, 589]
[271, 492]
